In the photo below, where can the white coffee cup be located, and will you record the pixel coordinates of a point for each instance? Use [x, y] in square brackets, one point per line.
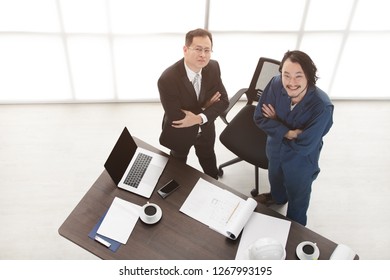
[150, 213]
[307, 250]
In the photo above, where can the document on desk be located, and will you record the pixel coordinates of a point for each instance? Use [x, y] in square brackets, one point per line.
[217, 208]
[120, 220]
[262, 226]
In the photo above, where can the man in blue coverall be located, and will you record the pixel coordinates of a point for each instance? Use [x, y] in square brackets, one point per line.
[295, 114]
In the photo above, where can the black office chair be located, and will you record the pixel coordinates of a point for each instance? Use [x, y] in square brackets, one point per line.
[241, 135]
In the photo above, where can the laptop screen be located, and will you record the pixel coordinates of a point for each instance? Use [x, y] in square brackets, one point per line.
[120, 156]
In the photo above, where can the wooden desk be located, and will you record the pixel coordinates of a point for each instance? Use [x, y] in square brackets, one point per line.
[176, 236]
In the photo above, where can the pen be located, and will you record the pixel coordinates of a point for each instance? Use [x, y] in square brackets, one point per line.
[234, 210]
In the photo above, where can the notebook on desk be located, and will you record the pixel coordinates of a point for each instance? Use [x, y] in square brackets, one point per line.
[133, 168]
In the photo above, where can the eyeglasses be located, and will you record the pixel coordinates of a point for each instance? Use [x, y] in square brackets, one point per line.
[200, 50]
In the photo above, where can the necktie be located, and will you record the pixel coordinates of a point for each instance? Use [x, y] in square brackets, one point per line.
[196, 84]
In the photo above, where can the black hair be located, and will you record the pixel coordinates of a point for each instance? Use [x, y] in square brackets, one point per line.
[308, 66]
[197, 33]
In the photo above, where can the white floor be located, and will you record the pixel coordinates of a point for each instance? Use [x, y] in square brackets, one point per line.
[51, 154]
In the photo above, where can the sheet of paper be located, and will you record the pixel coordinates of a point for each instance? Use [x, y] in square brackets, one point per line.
[93, 233]
[260, 226]
[217, 208]
[120, 220]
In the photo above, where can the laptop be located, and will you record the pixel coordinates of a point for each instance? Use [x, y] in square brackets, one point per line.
[133, 168]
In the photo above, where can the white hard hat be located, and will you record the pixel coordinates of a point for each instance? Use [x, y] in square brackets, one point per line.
[266, 249]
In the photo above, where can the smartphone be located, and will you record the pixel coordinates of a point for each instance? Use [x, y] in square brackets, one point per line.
[168, 188]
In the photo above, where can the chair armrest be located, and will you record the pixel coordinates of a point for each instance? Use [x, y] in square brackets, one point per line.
[232, 102]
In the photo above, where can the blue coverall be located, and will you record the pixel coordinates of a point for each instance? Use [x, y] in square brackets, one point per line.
[293, 164]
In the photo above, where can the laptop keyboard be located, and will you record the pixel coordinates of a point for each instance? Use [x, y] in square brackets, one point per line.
[138, 169]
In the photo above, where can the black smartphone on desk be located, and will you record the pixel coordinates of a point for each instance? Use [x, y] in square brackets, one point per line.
[168, 188]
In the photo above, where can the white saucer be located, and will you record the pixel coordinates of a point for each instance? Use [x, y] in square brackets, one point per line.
[150, 218]
[303, 256]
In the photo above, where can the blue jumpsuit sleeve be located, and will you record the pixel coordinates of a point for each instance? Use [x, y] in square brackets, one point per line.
[273, 128]
[311, 137]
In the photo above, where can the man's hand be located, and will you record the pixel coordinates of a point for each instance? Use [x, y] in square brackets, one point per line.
[215, 98]
[190, 119]
[269, 111]
[293, 134]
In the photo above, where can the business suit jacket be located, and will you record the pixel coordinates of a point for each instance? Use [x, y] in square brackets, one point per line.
[177, 93]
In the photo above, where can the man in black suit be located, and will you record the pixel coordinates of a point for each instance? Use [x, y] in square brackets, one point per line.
[189, 115]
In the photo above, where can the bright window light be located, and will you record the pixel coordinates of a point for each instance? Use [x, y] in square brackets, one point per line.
[33, 69]
[362, 68]
[91, 68]
[156, 16]
[84, 16]
[140, 60]
[115, 50]
[29, 15]
[256, 15]
[371, 15]
[328, 15]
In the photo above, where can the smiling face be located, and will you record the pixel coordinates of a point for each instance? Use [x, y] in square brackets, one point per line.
[197, 55]
[294, 80]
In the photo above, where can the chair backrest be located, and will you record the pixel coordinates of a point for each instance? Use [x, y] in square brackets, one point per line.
[266, 69]
[242, 137]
